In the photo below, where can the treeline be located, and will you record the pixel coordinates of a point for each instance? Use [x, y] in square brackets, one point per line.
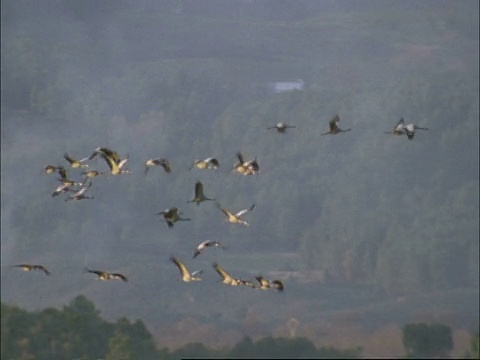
[78, 332]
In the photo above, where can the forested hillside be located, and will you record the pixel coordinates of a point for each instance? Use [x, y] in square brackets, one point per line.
[78, 331]
[345, 221]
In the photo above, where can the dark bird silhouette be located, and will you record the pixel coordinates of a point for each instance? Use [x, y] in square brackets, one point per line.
[62, 172]
[252, 168]
[398, 129]
[206, 244]
[267, 284]
[187, 276]
[281, 127]
[235, 218]
[172, 215]
[164, 163]
[104, 275]
[101, 275]
[411, 128]
[277, 284]
[199, 195]
[28, 267]
[333, 127]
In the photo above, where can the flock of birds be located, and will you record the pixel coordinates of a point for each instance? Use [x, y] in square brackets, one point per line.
[77, 190]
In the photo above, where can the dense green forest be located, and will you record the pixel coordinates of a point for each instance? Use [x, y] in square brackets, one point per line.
[78, 332]
[363, 216]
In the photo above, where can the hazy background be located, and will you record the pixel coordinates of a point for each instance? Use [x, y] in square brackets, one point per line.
[367, 231]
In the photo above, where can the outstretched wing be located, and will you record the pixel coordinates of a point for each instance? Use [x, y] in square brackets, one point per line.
[240, 158]
[181, 266]
[213, 162]
[227, 278]
[253, 165]
[241, 212]
[69, 158]
[420, 128]
[62, 171]
[106, 152]
[119, 276]
[42, 268]
[123, 162]
[19, 265]
[96, 272]
[200, 247]
[112, 164]
[225, 211]
[166, 165]
[197, 273]
[277, 284]
[196, 253]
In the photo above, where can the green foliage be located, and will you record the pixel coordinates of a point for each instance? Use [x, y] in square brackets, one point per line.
[77, 331]
[426, 341]
[474, 351]
[243, 349]
[134, 337]
[120, 348]
[286, 348]
[192, 350]
[15, 331]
